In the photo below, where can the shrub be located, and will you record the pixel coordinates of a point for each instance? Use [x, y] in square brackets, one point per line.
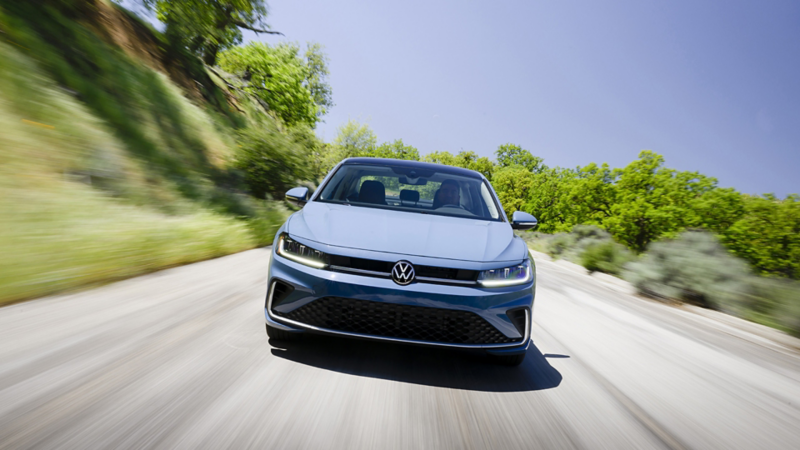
[571, 246]
[272, 161]
[775, 302]
[694, 268]
[559, 244]
[587, 245]
[607, 256]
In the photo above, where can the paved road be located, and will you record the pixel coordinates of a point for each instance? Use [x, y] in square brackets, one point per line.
[180, 359]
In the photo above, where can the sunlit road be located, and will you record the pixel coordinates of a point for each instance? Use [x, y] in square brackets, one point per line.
[180, 359]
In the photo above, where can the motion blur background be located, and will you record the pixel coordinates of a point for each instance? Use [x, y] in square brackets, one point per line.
[143, 138]
[656, 144]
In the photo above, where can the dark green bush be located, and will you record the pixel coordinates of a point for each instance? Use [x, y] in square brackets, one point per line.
[272, 161]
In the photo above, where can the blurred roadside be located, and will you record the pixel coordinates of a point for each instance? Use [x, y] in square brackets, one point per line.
[117, 152]
[693, 269]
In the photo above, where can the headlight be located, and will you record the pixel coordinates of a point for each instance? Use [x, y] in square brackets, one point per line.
[507, 276]
[301, 253]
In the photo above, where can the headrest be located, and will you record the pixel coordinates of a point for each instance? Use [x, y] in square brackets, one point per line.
[407, 195]
[372, 192]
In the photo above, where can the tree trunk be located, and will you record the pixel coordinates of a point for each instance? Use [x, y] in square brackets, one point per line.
[210, 54]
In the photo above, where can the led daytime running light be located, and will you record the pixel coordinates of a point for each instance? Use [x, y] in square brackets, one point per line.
[499, 281]
[297, 258]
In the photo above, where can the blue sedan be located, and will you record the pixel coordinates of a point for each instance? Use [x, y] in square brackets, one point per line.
[403, 251]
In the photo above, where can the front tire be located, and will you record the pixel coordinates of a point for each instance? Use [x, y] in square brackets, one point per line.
[509, 360]
[281, 335]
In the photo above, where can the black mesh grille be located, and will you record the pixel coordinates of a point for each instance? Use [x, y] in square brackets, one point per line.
[418, 323]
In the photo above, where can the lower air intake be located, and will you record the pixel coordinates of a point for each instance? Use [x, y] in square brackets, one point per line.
[416, 323]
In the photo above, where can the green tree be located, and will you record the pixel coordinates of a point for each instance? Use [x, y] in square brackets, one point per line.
[272, 161]
[718, 209]
[768, 235]
[548, 199]
[207, 27]
[654, 202]
[591, 193]
[443, 157]
[512, 154]
[395, 150]
[483, 165]
[466, 159]
[292, 86]
[352, 139]
[513, 185]
[317, 78]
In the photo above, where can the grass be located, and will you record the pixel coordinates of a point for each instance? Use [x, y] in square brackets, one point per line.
[106, 170]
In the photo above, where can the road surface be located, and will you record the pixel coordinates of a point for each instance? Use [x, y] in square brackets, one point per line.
[180, 359]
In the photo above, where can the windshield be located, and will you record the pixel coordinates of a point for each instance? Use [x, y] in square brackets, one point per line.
[409, 189]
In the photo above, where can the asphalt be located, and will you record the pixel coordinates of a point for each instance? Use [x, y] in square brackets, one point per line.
[180, 359]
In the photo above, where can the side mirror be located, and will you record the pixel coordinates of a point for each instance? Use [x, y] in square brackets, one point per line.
[523, 221]
[297, 196]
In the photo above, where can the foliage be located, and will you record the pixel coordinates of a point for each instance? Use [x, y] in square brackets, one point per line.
[273, 162]
[394, 150]
[317, 78]
[549, 199]
[608, 257]
[208, 27]
[177, 145]
[513, 185]
[514, 155]
[767, 235]
[694, 268]
[774, 302]
[466, 159]
[352, 139]
[107, 170]
[440, 157]
[653, 202]
[294, 87]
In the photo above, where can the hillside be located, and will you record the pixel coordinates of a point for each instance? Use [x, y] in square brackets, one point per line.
[116, 156]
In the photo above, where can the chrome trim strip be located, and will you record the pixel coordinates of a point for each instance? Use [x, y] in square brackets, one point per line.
[280, 320]
[528, 313]
[446, 280]
[360, 271]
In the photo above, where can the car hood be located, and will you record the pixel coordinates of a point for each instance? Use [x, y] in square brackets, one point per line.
[406, 233]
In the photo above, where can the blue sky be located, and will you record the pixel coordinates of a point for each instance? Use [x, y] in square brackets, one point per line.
[713, 86]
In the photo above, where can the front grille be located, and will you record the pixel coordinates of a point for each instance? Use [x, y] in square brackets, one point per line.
[446, 273]
[417, 323]
[361, 264]
[441, 274]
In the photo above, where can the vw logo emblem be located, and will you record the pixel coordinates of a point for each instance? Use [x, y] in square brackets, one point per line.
[403, 273]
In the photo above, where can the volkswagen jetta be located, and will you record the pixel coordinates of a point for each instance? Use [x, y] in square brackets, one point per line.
[407, 252]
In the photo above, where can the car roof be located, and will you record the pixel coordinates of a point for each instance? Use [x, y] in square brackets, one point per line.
[414, 165]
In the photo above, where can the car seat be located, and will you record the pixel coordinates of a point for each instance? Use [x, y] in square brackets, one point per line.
[436, 202]
[372, 192]
[407, 197]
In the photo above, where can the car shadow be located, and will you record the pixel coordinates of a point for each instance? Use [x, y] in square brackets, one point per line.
[430, 366]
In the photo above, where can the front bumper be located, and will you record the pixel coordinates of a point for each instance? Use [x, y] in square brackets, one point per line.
[310, 284]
